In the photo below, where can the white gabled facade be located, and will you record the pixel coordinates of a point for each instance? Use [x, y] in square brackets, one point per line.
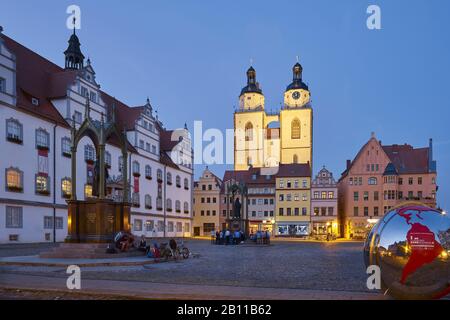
[32, 202]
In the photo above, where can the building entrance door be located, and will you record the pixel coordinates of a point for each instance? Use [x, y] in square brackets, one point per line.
[196, 231]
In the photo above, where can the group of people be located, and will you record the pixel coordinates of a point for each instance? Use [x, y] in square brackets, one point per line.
[227, 237]
[261, 237]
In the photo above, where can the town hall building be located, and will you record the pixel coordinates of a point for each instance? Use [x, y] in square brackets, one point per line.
[39, 103]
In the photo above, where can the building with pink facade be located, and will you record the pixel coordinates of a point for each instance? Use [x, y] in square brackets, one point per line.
[324, 204]
[381, 177]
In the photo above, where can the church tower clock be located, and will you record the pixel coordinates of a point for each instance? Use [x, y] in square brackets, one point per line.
[296, 121]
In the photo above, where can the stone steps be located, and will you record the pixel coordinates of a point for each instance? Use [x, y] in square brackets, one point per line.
[86, 251]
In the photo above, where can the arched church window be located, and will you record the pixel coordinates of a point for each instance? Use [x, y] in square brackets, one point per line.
[248, 131]
[295, 129]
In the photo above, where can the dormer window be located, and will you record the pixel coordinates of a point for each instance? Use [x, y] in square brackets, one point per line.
[35, 101]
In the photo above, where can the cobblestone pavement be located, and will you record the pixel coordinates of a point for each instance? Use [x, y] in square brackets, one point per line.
[336, 266]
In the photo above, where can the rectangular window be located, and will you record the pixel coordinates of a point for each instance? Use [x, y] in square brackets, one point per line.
[375, 211]
[65, 147]
[149, 225]
[170, 226]
[179, 227]
[316, 211]
[304, 184]
[304, 211]
[355, 211]
[84, 92]
[14, 217]
[410, 180]
[48, 222]
[316, 194]
[42, 184]
[2, 85]
[137, 225]
[141, 144]
[288, 211]
[323, 211]
[14, 131]
[160, 226]
[419, 180]
[356, 196]
[366, 211]
[375, 196]
[147, 147]
[280, 211]
[296, 211]
[93, 96]
[42, 139]
[78, 117]
[366, 195]
[330, 194]
[14, 180]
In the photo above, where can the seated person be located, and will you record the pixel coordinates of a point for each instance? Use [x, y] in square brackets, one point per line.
[142, 244]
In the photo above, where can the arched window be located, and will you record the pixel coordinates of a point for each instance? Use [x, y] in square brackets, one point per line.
[295, 129]
[295, 160]
[136, 168]
[169, 178]
[186, 184]
[372, 181]
[169, 205]
[148, 201]
[186, 207]
[148, 172]
[178, 206]
[178, 181]
[249, 132]
[159, 175]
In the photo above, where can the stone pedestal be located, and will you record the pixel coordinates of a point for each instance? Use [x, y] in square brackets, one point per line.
[238, 224]
[96, 221]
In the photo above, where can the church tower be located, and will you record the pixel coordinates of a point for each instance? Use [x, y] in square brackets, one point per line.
[249, 124]
[296, 121]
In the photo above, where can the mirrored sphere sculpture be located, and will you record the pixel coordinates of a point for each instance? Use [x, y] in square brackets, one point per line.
[411, 245]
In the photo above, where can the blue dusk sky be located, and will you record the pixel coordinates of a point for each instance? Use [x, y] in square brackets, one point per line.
[190, 58]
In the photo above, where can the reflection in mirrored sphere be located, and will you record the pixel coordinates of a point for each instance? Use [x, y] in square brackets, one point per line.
[411, 245]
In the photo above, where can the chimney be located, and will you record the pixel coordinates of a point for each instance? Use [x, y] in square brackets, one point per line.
[349, 163]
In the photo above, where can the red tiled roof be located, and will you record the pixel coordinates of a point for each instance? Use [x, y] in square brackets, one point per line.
[406, 159]
[35, 78]
[166, 140]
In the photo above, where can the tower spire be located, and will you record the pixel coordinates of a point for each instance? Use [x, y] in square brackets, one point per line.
[74, 56]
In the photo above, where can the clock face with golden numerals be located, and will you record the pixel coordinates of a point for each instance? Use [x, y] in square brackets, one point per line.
[296, 95]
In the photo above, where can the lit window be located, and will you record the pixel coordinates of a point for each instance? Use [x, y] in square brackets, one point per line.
[14, 180]
[42, 184]
[66, 187]
[14, 131]
[42, 139]
[88, 191]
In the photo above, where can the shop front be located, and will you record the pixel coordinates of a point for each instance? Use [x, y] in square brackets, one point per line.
[261, 225]
[324, 228]
[293, 229]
